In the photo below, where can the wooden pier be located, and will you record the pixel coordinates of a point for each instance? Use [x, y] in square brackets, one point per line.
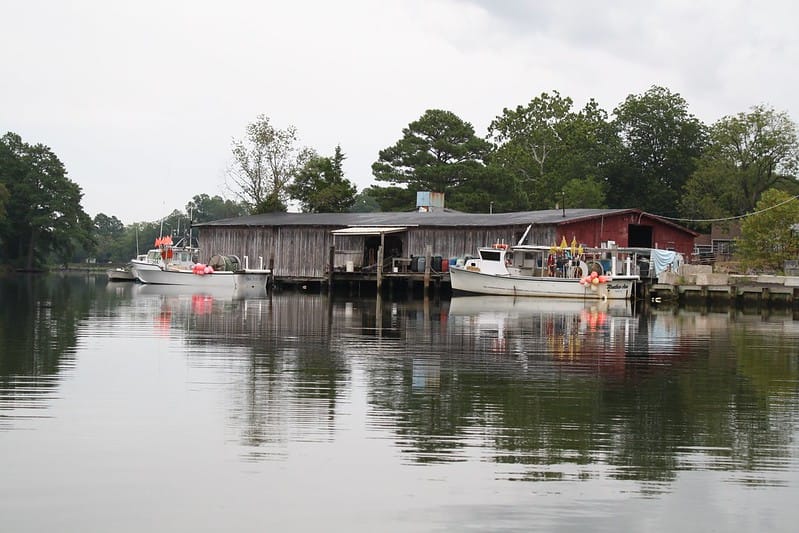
[733, 290]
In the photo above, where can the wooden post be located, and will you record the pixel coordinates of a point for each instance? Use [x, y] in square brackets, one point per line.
[428, 253]
[380, 265]
[330, 265]
[379, 315]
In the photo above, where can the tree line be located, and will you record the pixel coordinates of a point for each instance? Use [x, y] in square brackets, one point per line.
[650, 153]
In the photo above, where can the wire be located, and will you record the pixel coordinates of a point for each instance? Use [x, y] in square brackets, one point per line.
[791, 199]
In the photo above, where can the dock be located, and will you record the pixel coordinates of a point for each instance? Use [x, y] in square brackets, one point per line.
[697, 284]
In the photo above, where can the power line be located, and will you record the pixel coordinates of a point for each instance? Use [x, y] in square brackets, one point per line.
[791, 199]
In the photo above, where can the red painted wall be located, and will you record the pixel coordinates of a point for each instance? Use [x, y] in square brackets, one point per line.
[594, 231]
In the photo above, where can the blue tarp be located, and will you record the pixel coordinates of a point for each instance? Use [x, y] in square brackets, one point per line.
[662, 260]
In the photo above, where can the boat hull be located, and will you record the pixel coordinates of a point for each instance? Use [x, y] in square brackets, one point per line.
[120, 274]
[475, 282]
[219, 279]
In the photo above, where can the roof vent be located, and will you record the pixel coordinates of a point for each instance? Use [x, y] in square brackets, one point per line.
[427, 202]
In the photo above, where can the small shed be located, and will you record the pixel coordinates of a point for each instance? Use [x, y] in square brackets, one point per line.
[304, 245]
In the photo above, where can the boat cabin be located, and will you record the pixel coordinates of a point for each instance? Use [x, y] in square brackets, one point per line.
[560, 262]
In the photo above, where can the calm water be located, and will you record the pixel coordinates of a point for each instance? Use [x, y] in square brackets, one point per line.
[132, 408]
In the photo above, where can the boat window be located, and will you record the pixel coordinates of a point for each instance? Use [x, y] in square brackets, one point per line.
[183, 257]
[489, 255]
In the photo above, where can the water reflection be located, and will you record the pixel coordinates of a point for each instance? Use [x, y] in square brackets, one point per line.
[39, 317]
[543, 390]
[552, 390]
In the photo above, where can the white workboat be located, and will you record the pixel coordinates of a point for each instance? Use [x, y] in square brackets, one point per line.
[544, 271]
[177, 265]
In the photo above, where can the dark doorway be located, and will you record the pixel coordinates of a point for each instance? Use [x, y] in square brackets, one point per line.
[393, 248]
[639, 236]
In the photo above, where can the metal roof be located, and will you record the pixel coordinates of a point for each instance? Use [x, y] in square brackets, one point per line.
[439, 218]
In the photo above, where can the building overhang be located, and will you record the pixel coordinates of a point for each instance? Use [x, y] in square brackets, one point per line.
[369, 230]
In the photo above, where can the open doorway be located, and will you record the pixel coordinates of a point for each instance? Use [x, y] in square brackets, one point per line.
[639, 236]
[393, 248]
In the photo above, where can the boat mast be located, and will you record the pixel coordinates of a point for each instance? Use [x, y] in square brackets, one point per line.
[190, 226]
[521, 241]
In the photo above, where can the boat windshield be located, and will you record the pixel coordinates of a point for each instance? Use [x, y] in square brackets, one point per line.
[490, 255]
[182, 256]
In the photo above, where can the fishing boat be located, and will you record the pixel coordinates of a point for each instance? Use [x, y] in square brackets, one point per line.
[548, 271]
[178, 265]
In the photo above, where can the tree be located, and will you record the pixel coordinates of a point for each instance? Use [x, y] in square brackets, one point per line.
[205, 208]
[438, 152]
[546, 144]
[365, 202]
[108, 236]
[748, 154]
[496, 190]
[767, 236]
[44, 212]
[392, 198]
[529, 138]
[320, 185]
[661, 141]
[264, 165]
[4, 196]
[586, 193]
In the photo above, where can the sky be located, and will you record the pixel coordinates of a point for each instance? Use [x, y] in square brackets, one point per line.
[142, 100]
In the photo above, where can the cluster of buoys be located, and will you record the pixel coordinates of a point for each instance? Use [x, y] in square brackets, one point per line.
[593, 279]
[201, 269]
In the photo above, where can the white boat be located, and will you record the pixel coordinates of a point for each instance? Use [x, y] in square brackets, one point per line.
[244, 278]
[120, 274]
[152, 260]
[548, 271]
[177, 265]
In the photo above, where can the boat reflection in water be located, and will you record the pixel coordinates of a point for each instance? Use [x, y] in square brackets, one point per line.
[240, 292]
[565, 329]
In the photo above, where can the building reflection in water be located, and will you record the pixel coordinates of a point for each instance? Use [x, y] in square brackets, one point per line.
[545, 389]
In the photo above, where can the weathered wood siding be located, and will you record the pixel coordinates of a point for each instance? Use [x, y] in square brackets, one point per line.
[291, 251]
[303, 251]
[457, 242]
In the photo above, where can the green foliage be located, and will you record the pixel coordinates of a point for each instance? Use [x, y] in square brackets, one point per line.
[108, 237]
[437, 153]
[392, 198]
[4, 196]
[205, 208]
[584, 193]
[320, 185]
[44, 219]
[264, 165]
[546, 145]
[661, 141]
[748, 154]
[767, 238]
[365, 202]
[494, 190]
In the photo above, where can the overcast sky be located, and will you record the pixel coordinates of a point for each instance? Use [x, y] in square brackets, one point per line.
[141, 100]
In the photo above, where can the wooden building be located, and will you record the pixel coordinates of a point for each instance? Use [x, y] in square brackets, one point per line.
[303, 246]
